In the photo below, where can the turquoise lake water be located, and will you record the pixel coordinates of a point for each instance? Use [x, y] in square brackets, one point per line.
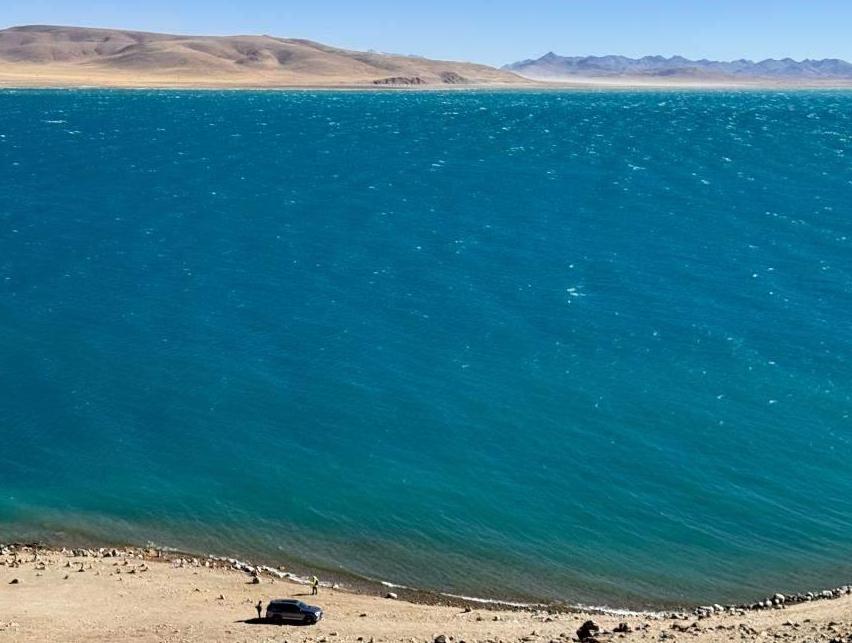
[592, 347]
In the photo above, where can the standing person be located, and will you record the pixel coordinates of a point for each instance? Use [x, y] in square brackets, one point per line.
[314, 585]
[259, 608]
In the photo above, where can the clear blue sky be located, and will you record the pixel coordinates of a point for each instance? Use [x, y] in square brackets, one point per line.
[490, 31]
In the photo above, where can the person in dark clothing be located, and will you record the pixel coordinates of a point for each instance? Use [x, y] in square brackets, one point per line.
[259, 608]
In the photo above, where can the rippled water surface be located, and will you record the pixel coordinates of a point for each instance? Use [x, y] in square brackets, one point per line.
[581, 346]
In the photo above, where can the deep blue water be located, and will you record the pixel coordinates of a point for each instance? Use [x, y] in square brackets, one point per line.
[582, 346]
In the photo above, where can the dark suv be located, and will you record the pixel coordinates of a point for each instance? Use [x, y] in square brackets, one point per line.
[292, 611]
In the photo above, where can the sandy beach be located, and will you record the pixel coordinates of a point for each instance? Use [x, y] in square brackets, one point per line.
[145, 595]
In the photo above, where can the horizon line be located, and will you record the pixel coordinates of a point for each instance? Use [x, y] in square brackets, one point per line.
[414, 55]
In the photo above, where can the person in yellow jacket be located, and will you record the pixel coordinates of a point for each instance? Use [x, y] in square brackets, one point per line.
[314, 585]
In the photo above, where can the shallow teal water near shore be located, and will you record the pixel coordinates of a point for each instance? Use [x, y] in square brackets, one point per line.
[582, 346]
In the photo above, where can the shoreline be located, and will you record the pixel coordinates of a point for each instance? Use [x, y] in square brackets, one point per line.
[300, 573]
[528, 85]
[146, 594]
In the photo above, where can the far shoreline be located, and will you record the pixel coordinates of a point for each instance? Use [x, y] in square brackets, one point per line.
[532, 86]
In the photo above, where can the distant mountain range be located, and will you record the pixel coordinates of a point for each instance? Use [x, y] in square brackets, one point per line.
[554, 67]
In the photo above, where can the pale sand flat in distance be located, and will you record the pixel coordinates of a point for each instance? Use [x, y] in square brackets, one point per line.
[23, 76]
[125, 598]
[637, 82]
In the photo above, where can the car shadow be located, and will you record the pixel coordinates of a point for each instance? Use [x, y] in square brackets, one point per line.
[269, 621]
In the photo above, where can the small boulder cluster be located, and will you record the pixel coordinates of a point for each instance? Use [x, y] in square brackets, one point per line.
[776, 601]
[588, 631]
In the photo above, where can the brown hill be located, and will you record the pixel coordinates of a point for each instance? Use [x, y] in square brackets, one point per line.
[63, 56]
